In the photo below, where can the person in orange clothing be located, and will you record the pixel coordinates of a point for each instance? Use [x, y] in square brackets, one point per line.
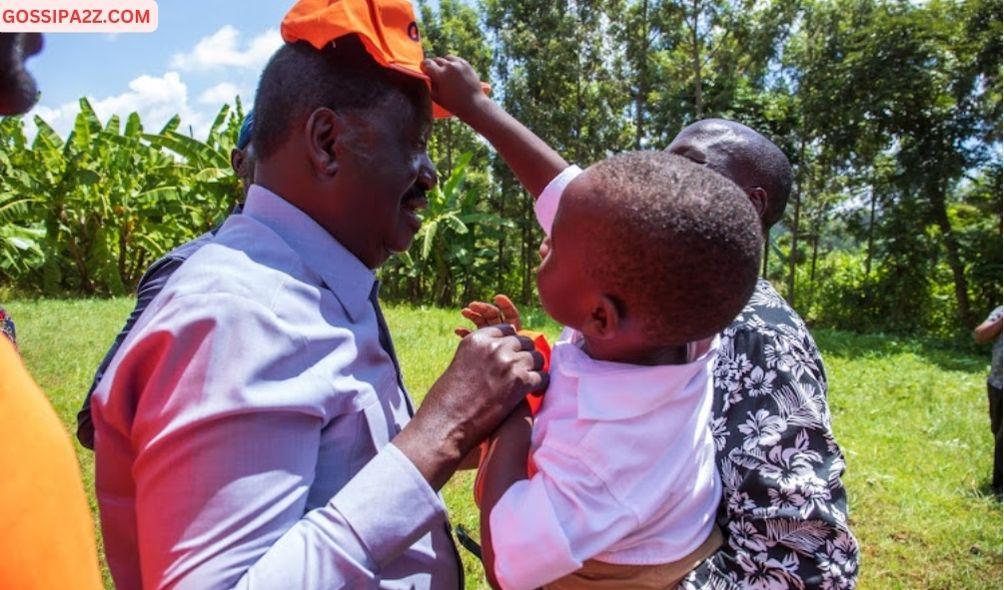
[46, 531]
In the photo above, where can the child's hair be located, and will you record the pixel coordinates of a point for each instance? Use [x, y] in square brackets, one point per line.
[675, 243]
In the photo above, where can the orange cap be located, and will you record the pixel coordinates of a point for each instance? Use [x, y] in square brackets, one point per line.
[387, 29]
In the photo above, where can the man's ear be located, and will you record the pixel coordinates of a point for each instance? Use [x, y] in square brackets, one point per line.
[322, 132]
[758, 197]
[603, 320]
[236, 160]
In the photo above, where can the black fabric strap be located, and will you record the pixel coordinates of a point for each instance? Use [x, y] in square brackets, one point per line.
[387, 344]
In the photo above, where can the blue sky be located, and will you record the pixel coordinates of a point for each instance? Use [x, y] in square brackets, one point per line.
[202, 54]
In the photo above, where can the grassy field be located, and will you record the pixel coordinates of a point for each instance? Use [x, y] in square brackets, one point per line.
[911, 418]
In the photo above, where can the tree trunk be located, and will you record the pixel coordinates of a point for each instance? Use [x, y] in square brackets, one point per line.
[525, 250]
[579, 102]
[503, 175]
[121, 262]
[639, 99]
[696, 62]
[500, 211]
[954, 259]
[815, 255]
[792, 263]
[871, 235]
[449, 146]
[766, 252]
[441, 287]
[792, 258]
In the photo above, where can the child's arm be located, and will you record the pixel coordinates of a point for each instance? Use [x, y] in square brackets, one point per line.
[504, 465]
[456, 87]
[538, 529]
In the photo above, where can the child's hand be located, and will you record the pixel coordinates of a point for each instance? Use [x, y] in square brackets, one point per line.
[456, 87]
[484, 314]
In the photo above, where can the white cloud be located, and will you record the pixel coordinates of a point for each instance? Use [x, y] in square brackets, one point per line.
[225, 49]
[156, 99]
[223, 65]
[224, 92]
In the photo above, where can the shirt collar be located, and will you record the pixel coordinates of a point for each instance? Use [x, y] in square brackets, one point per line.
[619, 391]
[345, 275]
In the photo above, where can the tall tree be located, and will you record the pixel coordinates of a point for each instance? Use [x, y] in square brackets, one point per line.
[567, 85]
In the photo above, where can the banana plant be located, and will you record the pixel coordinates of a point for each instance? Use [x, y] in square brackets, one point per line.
[21, 231]
[91, 212]
[206, 163]
[448, 240]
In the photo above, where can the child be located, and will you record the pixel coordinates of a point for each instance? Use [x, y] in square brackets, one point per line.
[648, 256]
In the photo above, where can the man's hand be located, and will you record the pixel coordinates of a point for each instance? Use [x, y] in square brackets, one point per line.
[484, 314]
[456, 87]
[491, 372]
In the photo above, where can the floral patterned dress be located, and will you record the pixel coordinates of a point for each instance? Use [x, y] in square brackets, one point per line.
[784, 508]
[7, 326]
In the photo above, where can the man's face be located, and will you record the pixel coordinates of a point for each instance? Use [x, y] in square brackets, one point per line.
[387, 175]
[18, 92]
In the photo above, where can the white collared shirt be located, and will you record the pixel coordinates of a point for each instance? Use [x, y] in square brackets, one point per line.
[625, 462]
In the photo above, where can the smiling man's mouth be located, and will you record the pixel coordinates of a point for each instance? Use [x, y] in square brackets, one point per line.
[411, 203]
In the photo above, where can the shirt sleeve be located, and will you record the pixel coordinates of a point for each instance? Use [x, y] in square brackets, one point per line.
[546, 206]
[995, 314]
[149, 286]
[546, 527]
[784, 506]
[226, 447]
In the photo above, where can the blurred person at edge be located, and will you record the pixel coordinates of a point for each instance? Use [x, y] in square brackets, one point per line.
[46, 531]
[990, 331]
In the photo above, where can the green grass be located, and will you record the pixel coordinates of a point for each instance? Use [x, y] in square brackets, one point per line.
[911, 418]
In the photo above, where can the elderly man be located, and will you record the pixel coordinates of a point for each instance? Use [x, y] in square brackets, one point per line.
[783, 507]
[46, 531]
[242, 160]
[254, 430]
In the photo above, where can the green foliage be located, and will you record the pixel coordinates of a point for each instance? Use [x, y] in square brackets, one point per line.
[915, 131]
[90, 213]
[910, 418]
[889, 110]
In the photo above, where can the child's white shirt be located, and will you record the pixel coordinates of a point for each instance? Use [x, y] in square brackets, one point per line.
[625, 462]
